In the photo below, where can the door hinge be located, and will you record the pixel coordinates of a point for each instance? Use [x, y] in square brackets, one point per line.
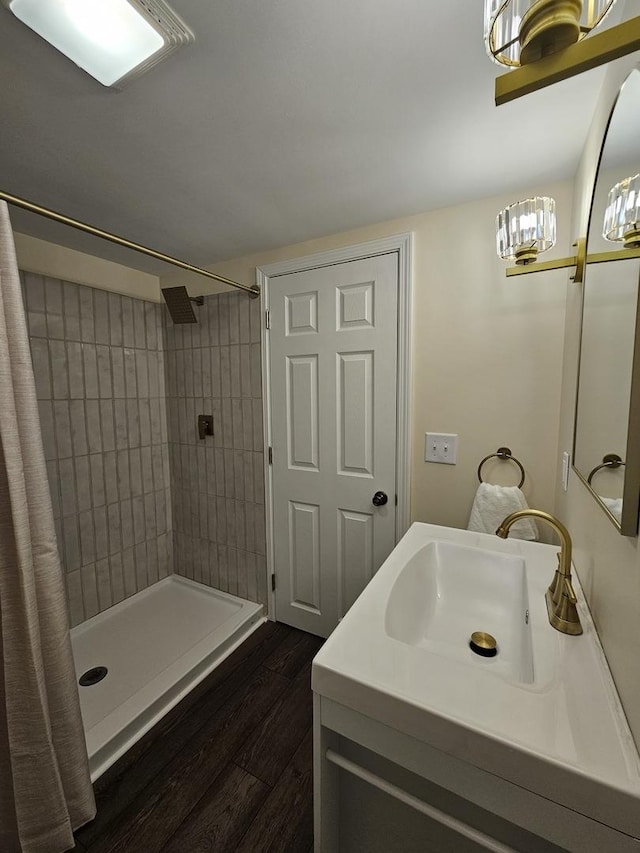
[271, 456]
[273, 583]
[267, 319]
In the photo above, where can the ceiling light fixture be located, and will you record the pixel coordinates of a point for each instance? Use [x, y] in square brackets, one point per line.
[112, 40]
[622, 214]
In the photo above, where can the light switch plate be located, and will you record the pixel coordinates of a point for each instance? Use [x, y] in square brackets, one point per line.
[440, 447]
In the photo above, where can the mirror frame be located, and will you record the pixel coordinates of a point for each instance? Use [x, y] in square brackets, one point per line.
[628, 525]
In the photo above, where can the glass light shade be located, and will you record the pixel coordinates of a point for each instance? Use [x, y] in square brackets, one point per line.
[525, 228]
[517, 32]
[622, 214]
[109, 39]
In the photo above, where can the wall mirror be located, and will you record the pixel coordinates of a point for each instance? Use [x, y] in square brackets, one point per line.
[606, 449]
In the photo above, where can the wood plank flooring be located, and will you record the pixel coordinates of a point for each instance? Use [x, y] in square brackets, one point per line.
[229, 769]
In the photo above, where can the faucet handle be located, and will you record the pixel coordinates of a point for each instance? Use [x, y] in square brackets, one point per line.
[569, 591]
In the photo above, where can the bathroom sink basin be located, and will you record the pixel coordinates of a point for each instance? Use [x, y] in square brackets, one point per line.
[543, 714]
[446, 592]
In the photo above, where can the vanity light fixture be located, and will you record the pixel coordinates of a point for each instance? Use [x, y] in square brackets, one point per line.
[112, 40]
[526, 228]
[545, 41]
[622, 215]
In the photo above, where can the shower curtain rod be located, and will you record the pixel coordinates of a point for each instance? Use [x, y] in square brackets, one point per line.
[253, 291]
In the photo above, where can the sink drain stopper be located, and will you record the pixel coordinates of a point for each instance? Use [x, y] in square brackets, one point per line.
[483, 644]
[92, 676]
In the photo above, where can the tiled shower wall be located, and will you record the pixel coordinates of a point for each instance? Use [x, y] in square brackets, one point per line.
[213, 367]
[99, 367]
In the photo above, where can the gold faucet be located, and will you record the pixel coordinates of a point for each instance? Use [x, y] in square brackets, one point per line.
[560, 597]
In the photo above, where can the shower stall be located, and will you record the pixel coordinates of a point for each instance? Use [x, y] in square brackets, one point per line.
[161, 532]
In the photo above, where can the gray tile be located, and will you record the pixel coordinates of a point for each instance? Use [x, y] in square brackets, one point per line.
[107, 425]
[221, 514]
[104, 371]
[41, 368]
[63, 428]
[255, 311]
[145, 422]
[234, 318]
[137, 507]
[225, 372]
[128, 332]
[153, 362]
[142, 374]
[236, 415]
[151, 325]
[164, 563]
[247, 423]
[90, 371]
[68, 494]
[234, 369]
[101, 531]
[126, 519]
[74, 596]
[256, 370]
[152, 561]
[83, 482]
[248, 490]
[101, 309]
[147, 469]
[117, 578]
[78, 427]
[71, 310]
[53, 301]
[214, 569]
[213, 305]
[122, 466]
[87, 537]
[76, 370]
[155, 416]
[258, 435]
[245, 370]
[227, 423]
[238, 475]
[45, 410]
[241, 566]
[87, 326]
[135, 472]
[98, 497]
[133, 423]
[161, 512]
[138, 324]
[129, 572]
[244, 309]
[130, 372]
[223, 568]
[115, 320]
[89, 591]
[252, 585]
[142, 579]
[71, 543]
[37, 324]
[151, 528]
[111, 477]
[59, 369]
[117, 372]
[258, 477]
[94, 429]
[261, 577]
[113, 521]
[121, 425]
[34, 289]
[103, 581]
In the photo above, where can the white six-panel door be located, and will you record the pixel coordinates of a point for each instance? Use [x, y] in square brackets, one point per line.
[333, 350]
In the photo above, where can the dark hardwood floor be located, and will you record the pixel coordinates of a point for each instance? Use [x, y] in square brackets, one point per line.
[229, 769]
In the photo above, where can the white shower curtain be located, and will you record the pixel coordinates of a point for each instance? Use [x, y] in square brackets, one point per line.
[45, 790]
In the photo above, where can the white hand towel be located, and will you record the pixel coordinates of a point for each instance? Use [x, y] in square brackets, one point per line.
[492, 504]
[614, 505]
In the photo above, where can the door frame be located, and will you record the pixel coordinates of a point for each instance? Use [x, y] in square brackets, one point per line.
[402, 246]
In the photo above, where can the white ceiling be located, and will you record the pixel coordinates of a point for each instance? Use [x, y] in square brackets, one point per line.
[285, 120]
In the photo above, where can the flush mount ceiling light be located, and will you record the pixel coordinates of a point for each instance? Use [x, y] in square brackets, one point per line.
[622, 215]
[526, 228]
[112, 40]
[545, 41]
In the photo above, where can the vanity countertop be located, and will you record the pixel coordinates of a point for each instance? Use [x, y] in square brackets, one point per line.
[558, 730]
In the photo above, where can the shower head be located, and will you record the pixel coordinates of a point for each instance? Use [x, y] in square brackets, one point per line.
[179, 304]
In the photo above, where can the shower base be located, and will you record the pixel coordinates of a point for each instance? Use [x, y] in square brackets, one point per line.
[157, 646]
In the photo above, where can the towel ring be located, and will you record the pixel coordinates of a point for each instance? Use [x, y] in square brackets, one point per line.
[611, 460]
[502, 453]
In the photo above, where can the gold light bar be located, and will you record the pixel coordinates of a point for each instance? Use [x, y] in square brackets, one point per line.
[578, 261]
[16, 201]
[586, 54]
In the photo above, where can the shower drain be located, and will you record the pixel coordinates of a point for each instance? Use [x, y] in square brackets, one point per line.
[92, 676]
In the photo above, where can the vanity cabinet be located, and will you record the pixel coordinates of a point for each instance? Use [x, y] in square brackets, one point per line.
[381, 791]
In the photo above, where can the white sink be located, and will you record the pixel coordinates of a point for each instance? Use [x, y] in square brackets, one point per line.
[544, 714]
[446, 592]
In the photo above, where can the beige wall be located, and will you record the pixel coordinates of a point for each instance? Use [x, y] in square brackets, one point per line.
[49, 259]
[487, 350]
[608, 563]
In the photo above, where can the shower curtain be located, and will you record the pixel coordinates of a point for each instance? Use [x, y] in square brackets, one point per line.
[45, 789]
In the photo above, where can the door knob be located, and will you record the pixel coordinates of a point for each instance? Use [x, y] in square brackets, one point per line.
[379, 499]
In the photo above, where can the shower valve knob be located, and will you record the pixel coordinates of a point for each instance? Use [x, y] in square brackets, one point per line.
[379, 499]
